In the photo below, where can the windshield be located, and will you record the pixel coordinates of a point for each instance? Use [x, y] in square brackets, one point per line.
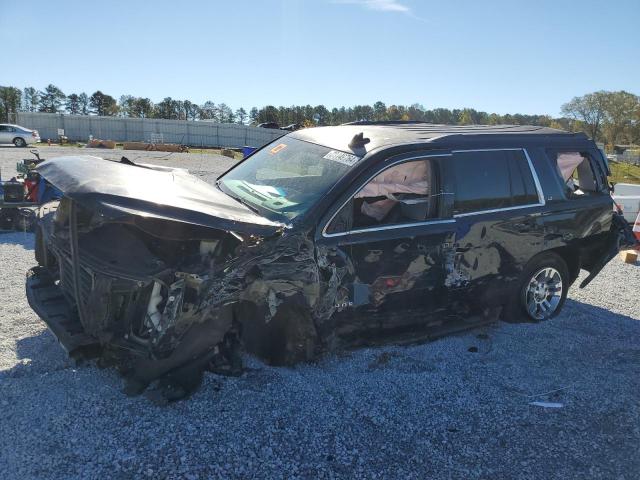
[284, 179]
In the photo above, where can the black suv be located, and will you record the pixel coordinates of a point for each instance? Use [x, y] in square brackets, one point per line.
[324, 238]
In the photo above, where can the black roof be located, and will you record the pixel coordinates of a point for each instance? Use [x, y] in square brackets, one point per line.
[399, 133]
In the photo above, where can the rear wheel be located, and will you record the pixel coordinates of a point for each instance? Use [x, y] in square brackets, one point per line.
[542, 290]
[19, 142]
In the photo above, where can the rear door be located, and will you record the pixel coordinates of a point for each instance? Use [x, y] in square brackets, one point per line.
[581, 218]
[498, 211]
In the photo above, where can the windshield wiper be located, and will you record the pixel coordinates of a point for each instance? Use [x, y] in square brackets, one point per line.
[250, 206]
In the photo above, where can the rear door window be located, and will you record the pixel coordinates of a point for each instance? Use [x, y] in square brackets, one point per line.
[489, 180]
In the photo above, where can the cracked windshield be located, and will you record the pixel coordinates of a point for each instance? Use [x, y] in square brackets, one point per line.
[284, 179]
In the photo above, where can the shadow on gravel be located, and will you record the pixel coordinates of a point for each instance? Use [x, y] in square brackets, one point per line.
[599, 314]
[37, 354]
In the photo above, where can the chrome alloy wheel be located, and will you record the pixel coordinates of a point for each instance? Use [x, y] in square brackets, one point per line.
[543, 293]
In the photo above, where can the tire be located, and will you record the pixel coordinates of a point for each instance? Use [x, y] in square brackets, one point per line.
[19, 142]
[542, 290]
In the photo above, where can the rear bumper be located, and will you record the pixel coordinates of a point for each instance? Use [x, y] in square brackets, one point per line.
[620, 236]
[47, 300]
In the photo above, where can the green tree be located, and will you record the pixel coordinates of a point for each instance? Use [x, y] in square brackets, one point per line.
[167, 108]
[225, 114]
[10, 100]
[72, 104]
[466, 117]
[191, 110]
[51, 99]
[126, 104]
[379, 111]
[494, 119]
[83, 102]
[241, 116]
[253, 115]
[267, 114]
[321, 115]
[416, 112]
[102, 104]
[208, 111]
[30, 99]
[590, 109]
[620, 108]
[142, 108]
[393, 113]
[443, 116]
[363, 113]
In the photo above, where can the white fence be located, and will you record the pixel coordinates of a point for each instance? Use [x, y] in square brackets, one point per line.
[119, 129]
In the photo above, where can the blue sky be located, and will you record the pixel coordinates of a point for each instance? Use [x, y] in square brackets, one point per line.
[498, 56]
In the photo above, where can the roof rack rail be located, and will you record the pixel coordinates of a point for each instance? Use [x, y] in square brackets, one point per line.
[385, 122]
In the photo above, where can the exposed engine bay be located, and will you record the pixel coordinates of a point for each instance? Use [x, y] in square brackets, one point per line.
[152, 296]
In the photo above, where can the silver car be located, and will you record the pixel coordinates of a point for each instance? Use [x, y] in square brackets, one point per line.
[19, 136]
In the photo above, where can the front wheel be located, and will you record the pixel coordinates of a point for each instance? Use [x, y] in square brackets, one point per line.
[542, 290]
[19, 142]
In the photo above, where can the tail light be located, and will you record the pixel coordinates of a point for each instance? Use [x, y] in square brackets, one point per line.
[34, 133]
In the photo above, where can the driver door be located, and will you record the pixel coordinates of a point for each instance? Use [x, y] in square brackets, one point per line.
[396, 241]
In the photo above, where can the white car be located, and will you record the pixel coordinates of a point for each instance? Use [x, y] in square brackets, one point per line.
[19, 136]
[627, 196]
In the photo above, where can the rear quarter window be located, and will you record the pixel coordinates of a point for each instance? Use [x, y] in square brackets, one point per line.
[578, 172]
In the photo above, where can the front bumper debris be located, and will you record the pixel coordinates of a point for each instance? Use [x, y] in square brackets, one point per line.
[48, 301]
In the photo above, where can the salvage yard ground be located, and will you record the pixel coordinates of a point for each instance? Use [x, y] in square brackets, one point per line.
[459, 407]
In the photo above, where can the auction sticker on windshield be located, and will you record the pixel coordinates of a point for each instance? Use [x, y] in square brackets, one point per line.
[342, 157]
[277, 148]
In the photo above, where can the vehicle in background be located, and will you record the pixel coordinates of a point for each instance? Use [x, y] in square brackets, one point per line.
[273, 125]
[292, 128]
[19, 136]
[327, 238]
[627, 197]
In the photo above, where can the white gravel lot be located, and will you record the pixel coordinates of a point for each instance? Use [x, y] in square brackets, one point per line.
[435, 410]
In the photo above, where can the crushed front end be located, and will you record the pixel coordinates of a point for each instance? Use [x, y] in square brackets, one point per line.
[130, 290]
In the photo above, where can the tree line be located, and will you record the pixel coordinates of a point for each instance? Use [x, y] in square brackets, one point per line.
[610, 117]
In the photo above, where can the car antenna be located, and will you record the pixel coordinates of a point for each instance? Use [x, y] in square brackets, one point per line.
[358, 141]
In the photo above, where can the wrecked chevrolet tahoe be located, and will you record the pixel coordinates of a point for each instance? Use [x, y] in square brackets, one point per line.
[327, 238]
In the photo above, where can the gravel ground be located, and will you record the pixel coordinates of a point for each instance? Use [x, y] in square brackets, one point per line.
[436, 410]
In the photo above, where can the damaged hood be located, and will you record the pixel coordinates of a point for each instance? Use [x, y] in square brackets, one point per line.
[151, 191]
